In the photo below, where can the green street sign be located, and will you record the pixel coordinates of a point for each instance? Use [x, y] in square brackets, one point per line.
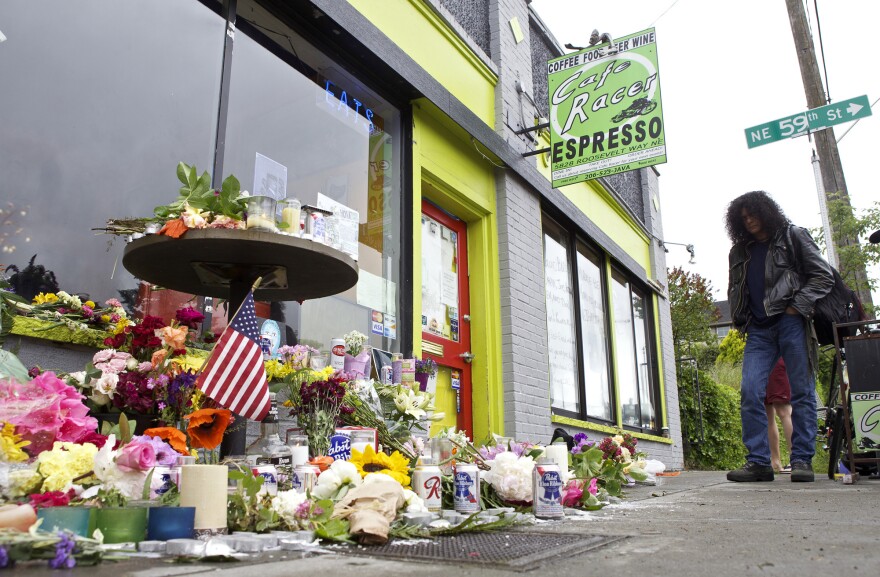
[809, 121]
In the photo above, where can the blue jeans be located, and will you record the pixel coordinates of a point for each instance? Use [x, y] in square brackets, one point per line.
[764, 346]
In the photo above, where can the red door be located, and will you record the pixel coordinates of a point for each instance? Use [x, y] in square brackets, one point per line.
[446, 335]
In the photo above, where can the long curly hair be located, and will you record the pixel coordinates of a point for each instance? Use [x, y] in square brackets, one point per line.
[758, 204]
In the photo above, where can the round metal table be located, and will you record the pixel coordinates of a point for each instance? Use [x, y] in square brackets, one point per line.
[224, 263]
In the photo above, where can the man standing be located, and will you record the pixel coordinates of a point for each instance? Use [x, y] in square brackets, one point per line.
[776, 276]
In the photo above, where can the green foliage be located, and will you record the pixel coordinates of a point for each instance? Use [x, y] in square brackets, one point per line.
[726, 374]
[245, 509]
[731, 349]
[853, 258]
[9, 302]
[692, 308]
[705, 353]
[197, 193]
[721, 444]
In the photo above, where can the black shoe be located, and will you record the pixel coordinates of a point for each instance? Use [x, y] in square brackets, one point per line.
[751, 472]
[802, 472]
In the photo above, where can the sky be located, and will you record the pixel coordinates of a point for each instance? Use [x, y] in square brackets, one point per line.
[725, 67]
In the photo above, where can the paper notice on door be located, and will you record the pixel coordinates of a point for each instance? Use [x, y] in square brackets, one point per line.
[347, 221]
[449, 289]
[371, 291]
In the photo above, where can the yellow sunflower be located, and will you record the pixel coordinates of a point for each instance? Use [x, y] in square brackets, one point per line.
[11, 444]
[394, 465]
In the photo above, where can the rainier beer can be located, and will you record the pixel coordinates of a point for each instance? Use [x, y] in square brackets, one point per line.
[547, 490]
[270, 478]
[466, 483]
[304, 478]
[337, 354]
[427, 484]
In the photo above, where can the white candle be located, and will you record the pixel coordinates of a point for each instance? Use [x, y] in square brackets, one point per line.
[262, 222]
[559, 453]
[300, 454]
[290, 217]
[205, 488]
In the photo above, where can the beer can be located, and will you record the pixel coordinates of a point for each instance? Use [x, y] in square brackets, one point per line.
[427, 484]
[168, 477]
[304, 478]
[270, 478]
[547, 490]
[337, 354]
[466, 483]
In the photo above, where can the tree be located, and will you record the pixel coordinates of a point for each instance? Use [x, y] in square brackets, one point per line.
[692, 308]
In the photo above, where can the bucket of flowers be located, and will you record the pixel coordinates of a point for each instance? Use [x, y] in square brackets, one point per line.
[425, 369]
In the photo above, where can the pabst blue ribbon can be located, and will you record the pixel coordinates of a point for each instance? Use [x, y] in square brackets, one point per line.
[337, 354]
[466, 483]
[270, 478]
[547, 490]
[340, 447]
[427, 484]
[168, 477]
[304, 478]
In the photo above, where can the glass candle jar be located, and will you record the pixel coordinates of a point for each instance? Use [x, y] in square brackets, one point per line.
[261, 213]
[290, 211]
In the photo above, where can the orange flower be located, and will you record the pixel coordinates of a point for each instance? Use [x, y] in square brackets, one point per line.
[158, 357]
[173, 337]
[170, 435]
[323, 462]
[174, 228]
[206, 427]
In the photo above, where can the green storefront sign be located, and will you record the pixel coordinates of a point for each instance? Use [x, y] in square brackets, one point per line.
[606, 115]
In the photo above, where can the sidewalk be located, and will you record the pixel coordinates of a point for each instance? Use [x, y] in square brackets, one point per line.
[696, 524]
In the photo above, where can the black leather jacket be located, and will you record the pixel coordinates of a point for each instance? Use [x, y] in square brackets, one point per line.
[786, 281]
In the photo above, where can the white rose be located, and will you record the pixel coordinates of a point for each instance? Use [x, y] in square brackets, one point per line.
[413, 503]
[346, 472]
[286, 503]
[625, 455]
[106, 385]
[131, 364]
[328, 484]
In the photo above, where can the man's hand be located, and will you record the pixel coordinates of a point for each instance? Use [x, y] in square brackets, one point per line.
[791, 311]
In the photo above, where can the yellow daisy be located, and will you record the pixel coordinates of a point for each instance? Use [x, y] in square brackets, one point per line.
[394, 465]
[43, 298]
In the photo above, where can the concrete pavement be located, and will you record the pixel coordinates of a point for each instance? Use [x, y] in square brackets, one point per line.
[695, 524]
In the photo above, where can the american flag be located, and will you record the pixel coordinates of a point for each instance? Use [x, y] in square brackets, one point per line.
[234, 375]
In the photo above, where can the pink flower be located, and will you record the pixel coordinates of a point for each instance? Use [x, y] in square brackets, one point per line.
[114, 366]
[594, 486]
[145, 367]
[113, 303]
[572, 494]
[136, 457]
[103, 356]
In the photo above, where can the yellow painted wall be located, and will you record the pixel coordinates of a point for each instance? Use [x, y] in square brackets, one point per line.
[417, 30]
[448, 171]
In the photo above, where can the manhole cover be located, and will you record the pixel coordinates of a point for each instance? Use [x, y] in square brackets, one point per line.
[520, 551]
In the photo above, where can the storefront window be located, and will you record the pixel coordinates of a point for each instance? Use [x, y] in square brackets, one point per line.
[561, 337]
[594, 334]
[100, 101]
[633, 356]
[583, 365]
[336, 144]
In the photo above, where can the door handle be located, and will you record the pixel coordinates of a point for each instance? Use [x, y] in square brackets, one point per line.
[468, 357]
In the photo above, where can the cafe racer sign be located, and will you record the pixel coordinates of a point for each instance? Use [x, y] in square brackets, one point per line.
[605, 110]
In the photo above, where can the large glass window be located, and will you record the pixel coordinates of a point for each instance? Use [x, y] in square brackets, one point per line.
[582, 372]
[561, 332]
[594, 334]
[100, 100]
[339, 143]
[633, 358]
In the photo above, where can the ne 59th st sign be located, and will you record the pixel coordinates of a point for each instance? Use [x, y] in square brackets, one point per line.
[809, 121]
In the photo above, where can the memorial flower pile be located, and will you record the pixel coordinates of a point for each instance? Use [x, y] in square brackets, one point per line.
[76, 313]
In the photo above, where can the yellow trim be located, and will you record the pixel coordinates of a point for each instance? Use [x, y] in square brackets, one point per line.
[432, 44]
[606, 429]
[658, 346]
[609, 288]
[451, 174]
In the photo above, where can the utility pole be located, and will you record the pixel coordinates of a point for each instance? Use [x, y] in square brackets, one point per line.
[826, 145]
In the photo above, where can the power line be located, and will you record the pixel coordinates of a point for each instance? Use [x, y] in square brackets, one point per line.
[664, 12]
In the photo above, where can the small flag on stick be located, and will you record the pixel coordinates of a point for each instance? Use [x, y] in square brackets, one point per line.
[234, 375]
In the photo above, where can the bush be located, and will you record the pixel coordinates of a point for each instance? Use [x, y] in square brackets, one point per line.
[721, 444]
[731, 348]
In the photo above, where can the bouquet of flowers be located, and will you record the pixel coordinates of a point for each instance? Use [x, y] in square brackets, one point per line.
[602, 469]
[426, 367]
[318, 405]
[292, 366]
[76, 313]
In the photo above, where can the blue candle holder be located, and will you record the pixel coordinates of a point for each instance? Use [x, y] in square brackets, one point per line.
[170, 523]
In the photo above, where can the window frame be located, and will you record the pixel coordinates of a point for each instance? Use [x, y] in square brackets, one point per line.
[575, 241]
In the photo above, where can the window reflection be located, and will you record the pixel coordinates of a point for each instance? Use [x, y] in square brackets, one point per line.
[593, 335]
[339, 142]
[561, 343]
[100, 101]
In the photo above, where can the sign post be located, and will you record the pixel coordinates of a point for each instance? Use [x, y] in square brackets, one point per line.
[809, 121]
[605, 110]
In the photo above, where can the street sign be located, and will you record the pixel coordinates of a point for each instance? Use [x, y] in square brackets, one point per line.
[809, 121]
